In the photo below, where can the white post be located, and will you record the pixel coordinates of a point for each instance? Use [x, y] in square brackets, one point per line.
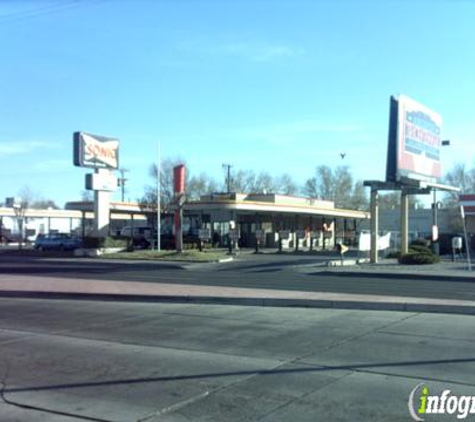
[101, 208]
[467, 245]
[404, 223]
[159, 216]
[374, 225]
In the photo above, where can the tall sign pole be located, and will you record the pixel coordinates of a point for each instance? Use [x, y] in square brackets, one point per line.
[101, 154]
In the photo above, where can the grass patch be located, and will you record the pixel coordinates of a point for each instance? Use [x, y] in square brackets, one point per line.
[187, 255]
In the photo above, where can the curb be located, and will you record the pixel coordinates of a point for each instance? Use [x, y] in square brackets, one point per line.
[346, 262]
[263, 302]
[393, 275]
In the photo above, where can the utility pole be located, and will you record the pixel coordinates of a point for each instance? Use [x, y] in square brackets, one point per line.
[228, 176]
[122, 181]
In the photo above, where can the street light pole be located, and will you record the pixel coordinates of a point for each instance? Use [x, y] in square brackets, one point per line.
[435, 205]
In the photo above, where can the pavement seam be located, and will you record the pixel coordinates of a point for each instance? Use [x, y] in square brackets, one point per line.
[358, 336]
[357, 371]
[295, 399]
[177, 406]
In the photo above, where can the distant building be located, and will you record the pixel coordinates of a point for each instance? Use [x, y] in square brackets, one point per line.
[37, 222]
[271, 213]
[302, 218]
[468, 203]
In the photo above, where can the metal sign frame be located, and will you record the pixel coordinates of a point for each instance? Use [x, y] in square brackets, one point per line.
[414, 142]
[94, 151]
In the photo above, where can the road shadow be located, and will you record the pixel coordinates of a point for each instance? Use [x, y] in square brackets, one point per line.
[264, 372]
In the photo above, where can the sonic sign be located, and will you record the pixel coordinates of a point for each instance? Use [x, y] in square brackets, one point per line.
[95, 151]
[414, 142]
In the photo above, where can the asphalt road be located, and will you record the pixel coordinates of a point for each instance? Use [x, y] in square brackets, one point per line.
[262, 271]
[66, 361]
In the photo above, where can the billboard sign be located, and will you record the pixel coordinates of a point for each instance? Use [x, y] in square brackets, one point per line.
[95, 151]
[414, 142]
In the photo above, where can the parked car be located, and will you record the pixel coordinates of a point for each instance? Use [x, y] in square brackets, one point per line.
[57, 241]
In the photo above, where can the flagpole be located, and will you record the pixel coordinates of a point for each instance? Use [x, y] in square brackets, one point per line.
[159, 217]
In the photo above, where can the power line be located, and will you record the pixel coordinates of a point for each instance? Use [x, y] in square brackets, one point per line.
[23, 13]
[46, 10]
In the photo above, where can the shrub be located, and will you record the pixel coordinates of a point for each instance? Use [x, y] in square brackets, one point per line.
[108, 242]
[417, 258]
[420, 249]
[393, 255]
[419, 242]
[111, 242]
[92, 242]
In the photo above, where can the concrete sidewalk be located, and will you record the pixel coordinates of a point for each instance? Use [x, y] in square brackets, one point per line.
[64, 288]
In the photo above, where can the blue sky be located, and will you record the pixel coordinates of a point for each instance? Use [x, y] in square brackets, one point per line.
[281, 86]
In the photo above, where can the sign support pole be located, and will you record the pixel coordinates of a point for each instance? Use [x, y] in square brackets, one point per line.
[374, 226]
[101, 208]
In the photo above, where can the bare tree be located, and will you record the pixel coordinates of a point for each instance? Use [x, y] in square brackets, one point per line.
[25, 198]
[392, 201]
[285, 185]
[200, 185]
[264, 183]
[87, 195]
[247, 181]
[45, 204]
[243, 181]
[462, 178]
[336, 185]
[166, 183]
